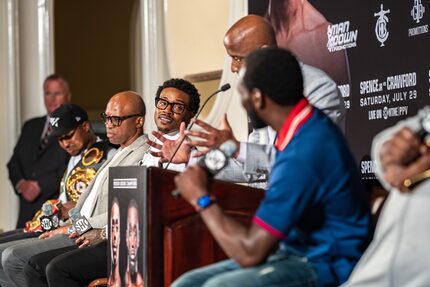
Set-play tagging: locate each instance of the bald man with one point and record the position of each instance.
(124, 119)
(254, 32)
(254, 159)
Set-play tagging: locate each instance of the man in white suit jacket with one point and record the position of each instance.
(398, 254)
(124, 119)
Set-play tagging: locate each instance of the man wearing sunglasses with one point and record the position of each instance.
(124, 119)
(69, 124)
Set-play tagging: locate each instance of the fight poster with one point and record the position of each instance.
(126, 250)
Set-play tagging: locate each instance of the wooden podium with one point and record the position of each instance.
(175, 239)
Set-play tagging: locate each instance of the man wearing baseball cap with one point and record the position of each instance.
(69, 124)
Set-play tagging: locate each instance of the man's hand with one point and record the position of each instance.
(90, 237)
(401, 149)
(402, 157)
(30, 189)
(168, 147)
(192, 183)
(49, 234)
(211, 137)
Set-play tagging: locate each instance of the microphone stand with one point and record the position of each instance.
(222, 89)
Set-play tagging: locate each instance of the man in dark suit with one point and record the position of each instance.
(38, 162)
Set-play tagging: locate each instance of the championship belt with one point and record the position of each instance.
(77, 180)
(84, 172)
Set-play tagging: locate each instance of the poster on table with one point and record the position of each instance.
(125, 238)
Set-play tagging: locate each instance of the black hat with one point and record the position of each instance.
(66, 118)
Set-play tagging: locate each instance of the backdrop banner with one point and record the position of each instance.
(376, 51)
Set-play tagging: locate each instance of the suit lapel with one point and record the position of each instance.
(117, 162)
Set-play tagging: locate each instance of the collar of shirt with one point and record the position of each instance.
(300, 113)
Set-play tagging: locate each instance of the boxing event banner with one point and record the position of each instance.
(376, 52)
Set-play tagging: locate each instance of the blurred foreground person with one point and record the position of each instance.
(315, 211)
(399, 253)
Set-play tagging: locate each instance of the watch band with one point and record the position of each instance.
(204, 202)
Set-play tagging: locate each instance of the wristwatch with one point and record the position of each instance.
(214, 161)
(204, 202)
(103, 234)
(71, 229)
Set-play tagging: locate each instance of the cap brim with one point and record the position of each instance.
(61, 132)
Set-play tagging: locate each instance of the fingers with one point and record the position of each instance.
(201, 144)
(79, 240)
(204, 125)
(198, 134)
(156, 153)
(403, 148)
(182, 128)
(74, 235)
(154, 144)
(200, 153)
(45, 235)
(83, 243)
(159, 136)
(417, 167)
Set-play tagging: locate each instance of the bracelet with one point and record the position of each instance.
(103, 234)
(204, 202)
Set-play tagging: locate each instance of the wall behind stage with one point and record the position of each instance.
(376, 51)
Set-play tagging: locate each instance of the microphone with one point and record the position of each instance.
(49, 220)
(223, 88)
(79, 222)
(215, 160)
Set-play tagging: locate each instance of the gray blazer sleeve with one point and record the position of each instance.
(322, 92)
(414, 123)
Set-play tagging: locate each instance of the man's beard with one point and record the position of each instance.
(256, 121)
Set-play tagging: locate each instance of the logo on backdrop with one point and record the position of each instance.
(417, 11)
(340, 37)
(417, 14)
(381, 30)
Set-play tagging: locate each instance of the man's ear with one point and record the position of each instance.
(257, 98)
(86, 126)
(140, 122)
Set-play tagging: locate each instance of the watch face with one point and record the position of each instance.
(215, 160)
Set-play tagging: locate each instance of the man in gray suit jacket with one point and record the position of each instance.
(124, 119)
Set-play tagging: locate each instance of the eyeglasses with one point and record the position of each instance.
(116, 121)
(177, 108)
(67, 136)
